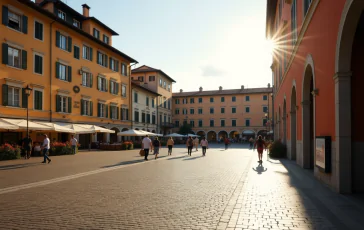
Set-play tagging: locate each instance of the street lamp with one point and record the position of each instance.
(28, 91)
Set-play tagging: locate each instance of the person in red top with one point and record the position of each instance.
(227, 142)
(260, 145)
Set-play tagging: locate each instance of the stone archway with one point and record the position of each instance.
(348, 112)
(234, 134)
(211, 136)
(222, 135)
(114, 136)
(293, 151)
(308, 105)
(284, 120)
(201, 133)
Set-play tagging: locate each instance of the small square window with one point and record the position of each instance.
(211, 99)
(265, 97)
(38, 64)
(247, 98)
(233, 99)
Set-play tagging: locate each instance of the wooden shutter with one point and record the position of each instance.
(98, 109)
(69, 44)
(58, 39)
(127, 114)
(121, 113)
(5, 53)
(106, 85)
(24, 59)
(58, 103)
(117, 66)
(5, 94)
(5, 15)
(110, 62)
(69, 73)
(40, 100)
(106, 111)
(82, 107)
(24, 98)
(98, 83)
(91, 80)
(110, 86)
(69, 105)
(117, 112)
(90, 54)
(76, 52)
(25, 24)
(57, 70)
(91, 108)
(106, 58)
(117, 88)
(98, 57)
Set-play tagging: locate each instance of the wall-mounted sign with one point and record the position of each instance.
(76, 104)
(323, 153)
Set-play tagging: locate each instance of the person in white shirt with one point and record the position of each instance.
(146, 145)
(73, 144)
(204, 144)
(195, 142)
(46, 146)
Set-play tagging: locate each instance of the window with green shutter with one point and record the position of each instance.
(38, 30)
(14, 20)
(76, 52)
(5, 94)
(38, 100)
(5, 53)
(38, 64)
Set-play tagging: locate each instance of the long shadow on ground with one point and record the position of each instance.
(18, 166)
(192, 158)
(176, 158)
(131, 162)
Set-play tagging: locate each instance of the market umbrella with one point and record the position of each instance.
(56, 127)
(96, 128)
(175, 135)
(131, 133)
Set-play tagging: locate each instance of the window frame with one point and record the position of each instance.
(100, 86)
(233, 98)
(65, 74)
(19, 57)
(87, 111)
(63, 97)
(124, 70)
(213, 111)
(211, 100)
(103, 60)
(60, 12)
(232, 109)
(20, 20)
(34, 104)
(96, 32)
(34, 64)
(247, 98)
(41, 23)
(86, 50)
(13, 88)
(113, 112)
(78, 24)
(222, 123)
(232, 123)
(107, 38)
(123, 86)
(61, 44)
(247, 122)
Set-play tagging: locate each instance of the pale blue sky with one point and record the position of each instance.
(208, 43)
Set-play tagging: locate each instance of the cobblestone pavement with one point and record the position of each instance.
(224, 190)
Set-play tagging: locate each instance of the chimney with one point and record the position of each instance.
(242, 87)
(180, 90)
(268, 85)
(86, 10)
(220, 88)
(200, 89)
(38, 1)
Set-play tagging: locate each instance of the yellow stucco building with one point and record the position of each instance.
(67, 58)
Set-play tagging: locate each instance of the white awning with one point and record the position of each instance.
(56, 127)
(76, 128)
(5, 125)
(22, 124)
(248, 132)
(174, 135)
(95, 128)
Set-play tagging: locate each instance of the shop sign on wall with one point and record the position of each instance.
(323, 153)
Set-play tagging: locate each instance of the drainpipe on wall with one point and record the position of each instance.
(50, 72)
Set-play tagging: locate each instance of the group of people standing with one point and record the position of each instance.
(148, 144)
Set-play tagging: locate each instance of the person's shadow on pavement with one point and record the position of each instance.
(260, 169)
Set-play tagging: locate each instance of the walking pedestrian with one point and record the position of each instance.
(260, 144)
(156, 145)
(170, 144)
(27, 145)
(251, 142)
(189, 144)
(205, 145)
(227, 142)
(46, 146)
(196, 142)
(146, 145)
(73, 144)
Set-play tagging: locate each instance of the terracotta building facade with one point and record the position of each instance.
(68, 60)
(216, 114)
(317, 71)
